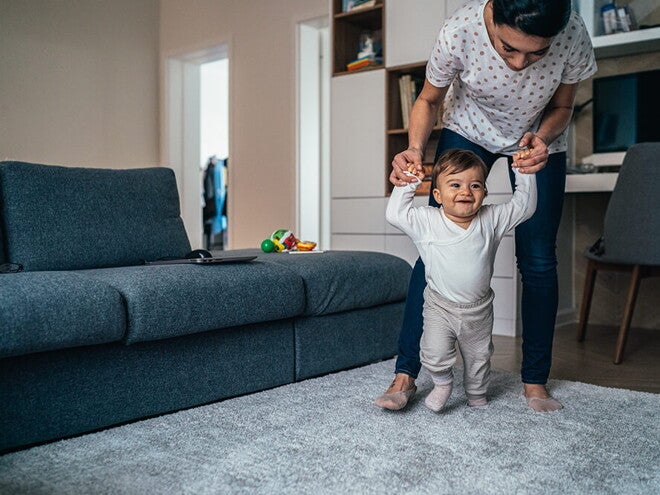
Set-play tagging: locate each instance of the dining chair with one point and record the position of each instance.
(631, 234)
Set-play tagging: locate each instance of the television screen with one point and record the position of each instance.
(626, 110)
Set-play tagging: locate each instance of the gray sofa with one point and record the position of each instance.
(91, 337)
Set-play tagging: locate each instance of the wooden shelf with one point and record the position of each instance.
(394, 132)
(361, 15)
(346, 30)
(365, 69)
(621, 44)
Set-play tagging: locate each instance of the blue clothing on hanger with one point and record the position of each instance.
(219, 173)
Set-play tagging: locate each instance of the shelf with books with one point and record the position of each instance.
(403, 83)
(348, 29)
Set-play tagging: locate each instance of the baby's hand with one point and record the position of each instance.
(413, 172)
(522, 154)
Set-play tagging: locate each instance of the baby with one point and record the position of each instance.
(457, 243)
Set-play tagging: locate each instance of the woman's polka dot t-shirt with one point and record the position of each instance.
(489, 103)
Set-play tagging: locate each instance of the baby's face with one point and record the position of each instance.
(461, 194)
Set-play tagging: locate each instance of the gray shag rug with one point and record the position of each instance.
(324, 435)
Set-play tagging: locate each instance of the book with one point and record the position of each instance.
(403, 97)
(406, 98)
(351, 5)
(409, 88)
(361, 63)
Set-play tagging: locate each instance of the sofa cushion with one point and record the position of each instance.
(338, 281)
(166, 301)
(60, 218)
(2, 242)
(55, 310)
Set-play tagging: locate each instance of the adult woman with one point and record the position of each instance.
(506, 73)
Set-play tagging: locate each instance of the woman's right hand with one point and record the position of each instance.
(402, 163)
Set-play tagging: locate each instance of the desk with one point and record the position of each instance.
(595, 182)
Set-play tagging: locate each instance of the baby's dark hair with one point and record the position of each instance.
(454, 161)
(544, 18)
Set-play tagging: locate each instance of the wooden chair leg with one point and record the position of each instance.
(633, 289)
(587, 294)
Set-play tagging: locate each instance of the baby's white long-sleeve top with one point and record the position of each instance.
(459, 262)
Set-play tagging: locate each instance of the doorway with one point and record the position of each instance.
(214, 151)
(197, 124)
(313, 131)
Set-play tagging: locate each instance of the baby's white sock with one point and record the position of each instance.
(477, 400)
(438, 397)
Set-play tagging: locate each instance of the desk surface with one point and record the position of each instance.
(603, 182)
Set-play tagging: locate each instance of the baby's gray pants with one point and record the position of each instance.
(447, 323)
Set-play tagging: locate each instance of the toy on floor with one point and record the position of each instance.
(283, 240)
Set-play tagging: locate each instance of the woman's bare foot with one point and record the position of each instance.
(398, 394)
(400, 383)
(539, 399)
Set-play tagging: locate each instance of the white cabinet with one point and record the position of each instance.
(411, 29)
(358, 216)
(358, 242)
(357, 139)
(498, 181)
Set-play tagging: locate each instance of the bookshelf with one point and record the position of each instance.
(407, 29)
(347, 28)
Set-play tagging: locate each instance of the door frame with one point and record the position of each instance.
(180, 129)
(321, 25)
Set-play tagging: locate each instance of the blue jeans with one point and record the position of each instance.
(536, 259)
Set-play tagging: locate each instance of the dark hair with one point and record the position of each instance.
(544, 18)
(454, 161)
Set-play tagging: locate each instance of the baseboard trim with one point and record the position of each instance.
(566, 317)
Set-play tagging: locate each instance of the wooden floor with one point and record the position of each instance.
(591, 361)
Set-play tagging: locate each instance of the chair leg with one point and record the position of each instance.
(633, 289)
(587, 294)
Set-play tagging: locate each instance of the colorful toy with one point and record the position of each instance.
(283, 240)
(279, 247)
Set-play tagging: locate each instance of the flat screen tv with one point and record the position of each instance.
(626, 110)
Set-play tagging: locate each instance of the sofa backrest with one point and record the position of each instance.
(62, 218)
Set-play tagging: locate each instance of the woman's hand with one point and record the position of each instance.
(535, 160)
(409, 161)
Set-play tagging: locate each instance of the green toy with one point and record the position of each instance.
(267, 246)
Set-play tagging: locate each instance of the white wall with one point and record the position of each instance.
(214, 131)
(79, 82)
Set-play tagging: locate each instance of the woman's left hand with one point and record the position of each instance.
(538, 155)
